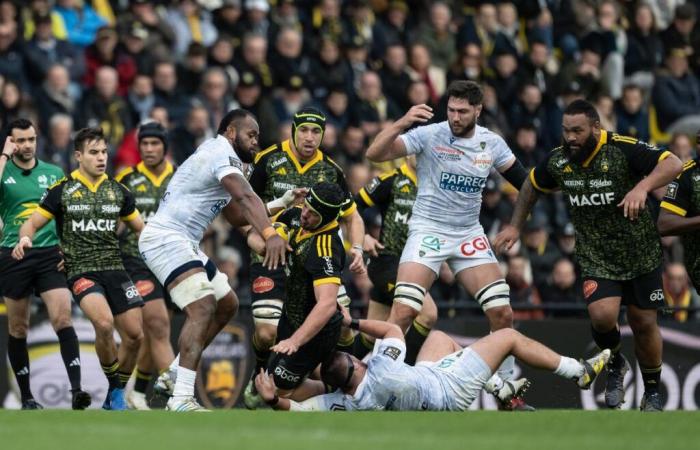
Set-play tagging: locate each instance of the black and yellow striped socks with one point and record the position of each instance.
(415, 337)
(111, 371)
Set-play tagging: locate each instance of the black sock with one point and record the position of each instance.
(19, 360)
(361, 346)
(70, 352)
(609, 339)
(112, 373)
(261, 356)
(124, 377)
(415, 337)
(652, 378)
(142, 380)
(346, 345)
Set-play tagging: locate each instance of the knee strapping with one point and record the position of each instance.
(267, 311)
(191, 289)
(494, 295)
(410, 294)
(220, 285)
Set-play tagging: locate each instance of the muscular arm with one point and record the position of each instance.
(387, 145)
(523, 205)
(664, 172)
(27, 232)
(251, 207)
(671, 224)
(326, 306)
(136, 224)
(356, 228)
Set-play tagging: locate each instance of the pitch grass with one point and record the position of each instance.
(245, 430)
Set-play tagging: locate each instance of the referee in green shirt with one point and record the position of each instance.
(23, 181)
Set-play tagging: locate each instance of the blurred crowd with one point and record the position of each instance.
(67, 64)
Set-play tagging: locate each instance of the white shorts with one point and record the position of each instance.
(461, 248)
(463, 374)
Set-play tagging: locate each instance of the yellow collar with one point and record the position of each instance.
(603, 140)
(156, 180)
(287, 148)
(409, 173)
(92, 187)
(303, 234)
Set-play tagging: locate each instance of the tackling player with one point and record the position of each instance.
(454, 159)
(606, 178)
(201, 187)
(23, 180)
(87, 207)
(147, 181)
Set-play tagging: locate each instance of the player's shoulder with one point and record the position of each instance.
(620, 140)
(60, 183)
(331, 162)
(691, 170)
(123, 174)
(263, 155)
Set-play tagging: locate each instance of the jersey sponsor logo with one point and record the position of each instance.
(483, 160)
(72, 189)
(479, 244)
(672, 190)
(145, 287)
(401, 217)
(560, 163)
(403, 183)
(657, 296)
(696, 177)
(597, 199)
(287, 375)
(137, 180)
(404, 202)
(43, 181)
(141, 188)
(218, 206)
(283, 186)
(589, 287)
(461, 183)
(10, 180)
(328, 270)
(372, 185)
(130, 291)
(597, 184)
(277, 162)
(392, 352)
(110, 209)
(82, 285)
(110, 195)
(145, 201)
(574, 183)
(263, 284)
(448, 153)
(235, 162)
(94, 225)
(432, 243)
(78, 208)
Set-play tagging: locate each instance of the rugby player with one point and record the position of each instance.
(147, 181)
(605, 178)
(446, 377)
(310, 324)
(87, 207)
(23, 180)
(454, 159)
(393, 194)
(201, 187)
(292, 164)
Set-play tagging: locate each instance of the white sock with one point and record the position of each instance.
(495, 383)
(507, 368)
(174, 365)
(184, 386)
(569, 368)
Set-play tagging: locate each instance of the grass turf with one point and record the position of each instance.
(240, 429)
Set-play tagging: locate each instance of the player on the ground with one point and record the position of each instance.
(169, 244)
(393, 194)
(310, 324)
(606, 178)
(446, 377)
(87, 207)
(454, 159)
(680, 215)
(295, 163)
(23, 180)
(147, 181)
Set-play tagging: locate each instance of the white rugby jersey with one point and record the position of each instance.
(452, 172)
(195, 195)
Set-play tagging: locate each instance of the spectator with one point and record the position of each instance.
(614, 39)
(186, 137)
(392, 28)
(504, 81)
(287, 57)
(632, 114)
(292, 98)
(563, 291)
(359, 175)
(395, 77)
(12, 105)
(256, 20)
(522, 292)
(438, 36)
(249, 96)
(12, 62)
(335, 107)
(352, 146)
(58, 148)
(228, 21)
(358, 22)
(606, 109)
(371, 108)
(254, 59)
(356, 53)
(38, 8)
(480, 29)
(221, 56)
(192, 68)
(144, 14)
(190, 23)
(104, 52)
(419, 94)
(141, 98)
(530, 109)
(214, 95)
(135, 40)
(535, 68)
(422, 69)
(494, 209)
(326, 22)
(285, 15)
(676, 95)
(679, 33)
(566, 241)
(540, 250)
(510, 36)
(329, 71)
(81, 21)
(678, 292)
(644, 48)
(681, 146)
(492, 115)
(469, 65)
(525, 145)
(55, 97)
(166, 92)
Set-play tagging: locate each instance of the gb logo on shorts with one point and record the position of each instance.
(470, 248)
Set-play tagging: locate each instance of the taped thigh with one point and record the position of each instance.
(494, 295)
(409, 294)
(267, 311)
(191, 289)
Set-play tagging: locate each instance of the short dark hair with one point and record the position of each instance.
(233, 116)
(467, 90)
(86, 135)
(20, 124)
(582, 107)
(337, 369)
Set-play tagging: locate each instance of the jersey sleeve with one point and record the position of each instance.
(128, 211)
(349, 206)
(641, 156)
(325, 259)
(541, 178)
(502, 154)
(678, 195)
(377, 192)
(50, 203)
(417, 139)
(390, 349)
(227, 164)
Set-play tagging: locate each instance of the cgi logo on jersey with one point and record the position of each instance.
(461, 183)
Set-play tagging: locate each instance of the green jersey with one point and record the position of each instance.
(608, 245)
(683, 198)
(147, 189)
(19, 197)
(393, 193)
(86, 219)
(317, 257)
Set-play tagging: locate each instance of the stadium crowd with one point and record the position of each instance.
(68, 64)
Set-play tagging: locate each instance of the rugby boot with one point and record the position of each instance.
(137, 400)
(80, 399)
(165, 384)
(615, 384)
(510, 395)
(651, 402)
(184, 404)
(592, 368)
(251, 398)
(115, 401)
(30, 403)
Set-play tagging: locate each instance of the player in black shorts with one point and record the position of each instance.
(23, 180)
(148, 181)
(310, 325)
